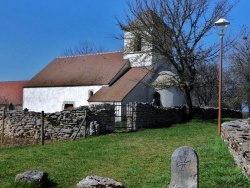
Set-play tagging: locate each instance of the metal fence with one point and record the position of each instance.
(123, 112)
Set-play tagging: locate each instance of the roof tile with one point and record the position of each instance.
(12, 92)
(120, 89)
(83, 70)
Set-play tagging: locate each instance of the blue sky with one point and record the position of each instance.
(34, 32)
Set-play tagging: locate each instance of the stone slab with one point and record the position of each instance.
(98, 182)
(184, 168)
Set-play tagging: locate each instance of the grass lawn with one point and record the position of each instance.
(139, 159)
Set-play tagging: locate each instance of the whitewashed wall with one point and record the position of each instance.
(52, 99)
(172, 97)
(139, 58)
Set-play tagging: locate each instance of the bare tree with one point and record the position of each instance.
(240, 68)
(178, 30)
(205, 92)
(232, 98)
(82, 48)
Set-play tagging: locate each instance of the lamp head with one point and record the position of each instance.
(222, 24)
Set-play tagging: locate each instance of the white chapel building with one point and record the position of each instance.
(83, 80)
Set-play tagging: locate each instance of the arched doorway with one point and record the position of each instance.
(156, 99)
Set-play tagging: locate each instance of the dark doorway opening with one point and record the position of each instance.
(68, 106)
(157, 99)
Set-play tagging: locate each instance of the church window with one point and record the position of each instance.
(68, 106)
(137, 43)
(91, 93)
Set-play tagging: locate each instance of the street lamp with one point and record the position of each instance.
(221, 24)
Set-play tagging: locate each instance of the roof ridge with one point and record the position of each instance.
(91, 54)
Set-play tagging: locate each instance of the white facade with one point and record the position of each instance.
(139, 59)
(52, 99)
(171, 97)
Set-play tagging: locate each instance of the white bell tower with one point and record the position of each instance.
(137, 49)
(139, 41)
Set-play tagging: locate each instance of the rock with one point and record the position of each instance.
(98, 182)
(29, 126)
(67, 131)
(19, 128)
(66, 136)
(20, 132)
(94, 128)
(39, 122)
(32, 176)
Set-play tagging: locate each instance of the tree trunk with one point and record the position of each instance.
(189, 103)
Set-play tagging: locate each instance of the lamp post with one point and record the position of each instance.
(221, 25)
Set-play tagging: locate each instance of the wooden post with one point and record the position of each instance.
(2, 137)
(133, 122)
(220, 88)
(85, 124)
(85, 129)
(42, 129)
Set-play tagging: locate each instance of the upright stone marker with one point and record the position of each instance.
(184, 168)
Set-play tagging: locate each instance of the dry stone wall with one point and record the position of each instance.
(212, 113)
(236, 135)
(147, 116)
(60, 125)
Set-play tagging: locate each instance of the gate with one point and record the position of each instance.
(123, 116)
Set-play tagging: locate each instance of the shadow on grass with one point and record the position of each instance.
(215, 121)
(49, 184)
(46, 184)
(122, 129)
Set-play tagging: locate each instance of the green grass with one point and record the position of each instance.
(138, 159)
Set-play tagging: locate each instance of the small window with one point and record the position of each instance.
(137, 43)
(68, 106)
(91, 93)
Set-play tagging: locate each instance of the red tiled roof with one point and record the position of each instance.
(121, 88)
(83, 70)
(12, 92)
